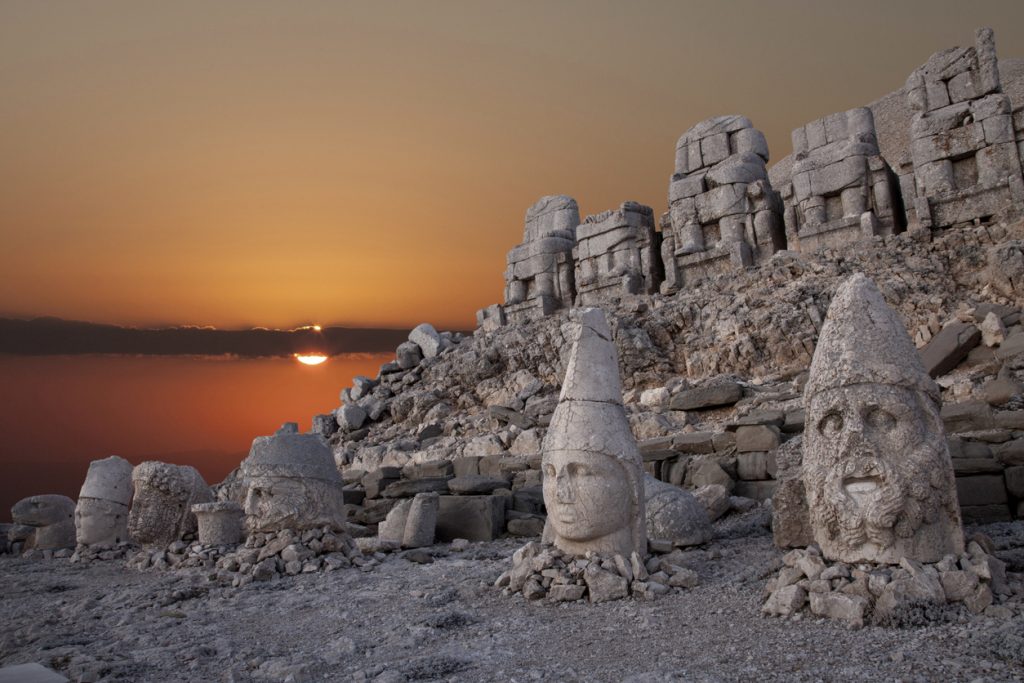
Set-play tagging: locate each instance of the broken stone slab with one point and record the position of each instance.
(476, 484)
(694, 442)
(1015, 481)
(429, 469)
(756, 466)
(526, 526)
(705, 472)
(849, 609)
(475, 518)
(751, 438)
(720, 393)
(392, 529)
(426, 337)
(407, 488)
(971, 416)
(506, 415)
(376, 481)
(950, 346)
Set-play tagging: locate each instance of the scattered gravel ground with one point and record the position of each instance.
(444, 621)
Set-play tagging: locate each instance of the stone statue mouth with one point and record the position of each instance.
(860, 488)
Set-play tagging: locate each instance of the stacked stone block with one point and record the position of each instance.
(539, 279)
(842, 187)
(617, 254)
(723, 212)
(966, 162)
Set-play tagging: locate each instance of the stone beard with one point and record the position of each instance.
(584, 493)
(876, 469)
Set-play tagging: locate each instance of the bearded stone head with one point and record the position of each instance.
(161, 511)
(876, 468)
(291, 483)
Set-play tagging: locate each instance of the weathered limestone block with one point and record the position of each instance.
(220, 523)
(674, 515)
(540, 276)
(161, 510)
(474, 518)
(101, 514)
(876, 466)
(292, 483)
(48, 521)
(593, 473)
(617, 254)
(843, 189)
(966, 163)
(950, 346)
(421, 524)
(723, 213)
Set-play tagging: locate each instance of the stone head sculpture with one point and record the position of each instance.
(876, 468)
(292, 483)
(101, 515)
(50, 518)
(161, 510)
(593, 478)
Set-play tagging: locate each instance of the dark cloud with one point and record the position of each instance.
(53, 336)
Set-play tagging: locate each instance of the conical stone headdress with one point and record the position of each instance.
(864, 341)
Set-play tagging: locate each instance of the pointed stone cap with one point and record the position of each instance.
(590, 415)
(294, 456)
(863, 341)
(592, 373)
(109, 479)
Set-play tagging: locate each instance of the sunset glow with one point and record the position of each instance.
(310, 359)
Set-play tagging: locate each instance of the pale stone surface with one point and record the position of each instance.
(723, 213)
(876, 466)
(393, 527)
(421, 523)
(617, 254)
(292, 483)
(220, 523)
(593, 482)
(30, 673)
(842, 189)
(101, 514)
(675, 515)
(161, 510)
(966, 165)
(540, 277)
(49, 520)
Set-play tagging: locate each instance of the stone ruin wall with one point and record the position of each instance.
(958, 163)
(480, 404)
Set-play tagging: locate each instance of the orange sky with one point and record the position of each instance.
(270, 163)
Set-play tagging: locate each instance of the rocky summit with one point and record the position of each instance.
(776, 432)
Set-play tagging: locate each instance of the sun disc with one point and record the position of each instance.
(310, 358)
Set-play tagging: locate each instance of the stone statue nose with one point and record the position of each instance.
(563, 488)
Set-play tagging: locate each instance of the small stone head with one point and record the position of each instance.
(291, 483)
(876, 467)
(100, 522)
(43, 510)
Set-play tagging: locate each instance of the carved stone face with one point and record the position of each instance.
(100, 522)
(587, 495)
(158, 517)
(275, 503)
(876, 471)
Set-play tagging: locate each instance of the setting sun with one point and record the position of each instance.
(310, 359)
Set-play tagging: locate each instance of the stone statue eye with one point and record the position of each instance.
(549, 471)
(831, 424)
(879, 419)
